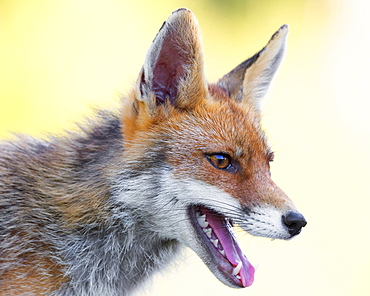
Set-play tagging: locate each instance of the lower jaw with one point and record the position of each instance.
(229, 273)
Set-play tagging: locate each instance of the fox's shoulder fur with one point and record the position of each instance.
(98, 211)
(60, 226)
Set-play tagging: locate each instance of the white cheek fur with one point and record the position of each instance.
(265, 221)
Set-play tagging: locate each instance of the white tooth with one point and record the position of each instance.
(222, 252)
(200, 217)
(214, 242)
(238, 277)
(208, 232)
(202, 221)
(237, 268)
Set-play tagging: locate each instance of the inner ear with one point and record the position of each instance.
(168, 71)
(173, 69)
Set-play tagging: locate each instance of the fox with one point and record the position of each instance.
(101, 209)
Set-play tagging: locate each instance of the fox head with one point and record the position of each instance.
(198, 151)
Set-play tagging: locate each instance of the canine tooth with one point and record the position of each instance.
(201, 217)
(214, 242)
(222, 252)
(237, 268)
(202, 221)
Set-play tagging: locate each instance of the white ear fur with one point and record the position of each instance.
(259, 75)
(250, 81)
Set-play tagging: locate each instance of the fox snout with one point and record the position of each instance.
(269, 212)
(294, 221)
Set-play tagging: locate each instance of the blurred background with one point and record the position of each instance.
(59, 58)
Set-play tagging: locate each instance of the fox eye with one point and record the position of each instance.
(221, 161)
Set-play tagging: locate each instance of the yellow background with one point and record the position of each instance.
(58, 58)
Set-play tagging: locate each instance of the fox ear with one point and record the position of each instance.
(173, 69)
(250, 81)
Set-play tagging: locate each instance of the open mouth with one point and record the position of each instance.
(217, 233)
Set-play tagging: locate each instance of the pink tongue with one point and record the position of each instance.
(223, 231)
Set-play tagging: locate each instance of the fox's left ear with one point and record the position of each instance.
(172, 75)
(250, 81)
(173, 69)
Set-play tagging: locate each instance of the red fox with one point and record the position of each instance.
(98, 211)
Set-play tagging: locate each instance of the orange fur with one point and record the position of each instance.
(227, 126)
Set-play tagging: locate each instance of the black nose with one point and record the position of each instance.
(294, 221)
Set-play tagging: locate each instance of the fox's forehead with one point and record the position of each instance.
(222, 125)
